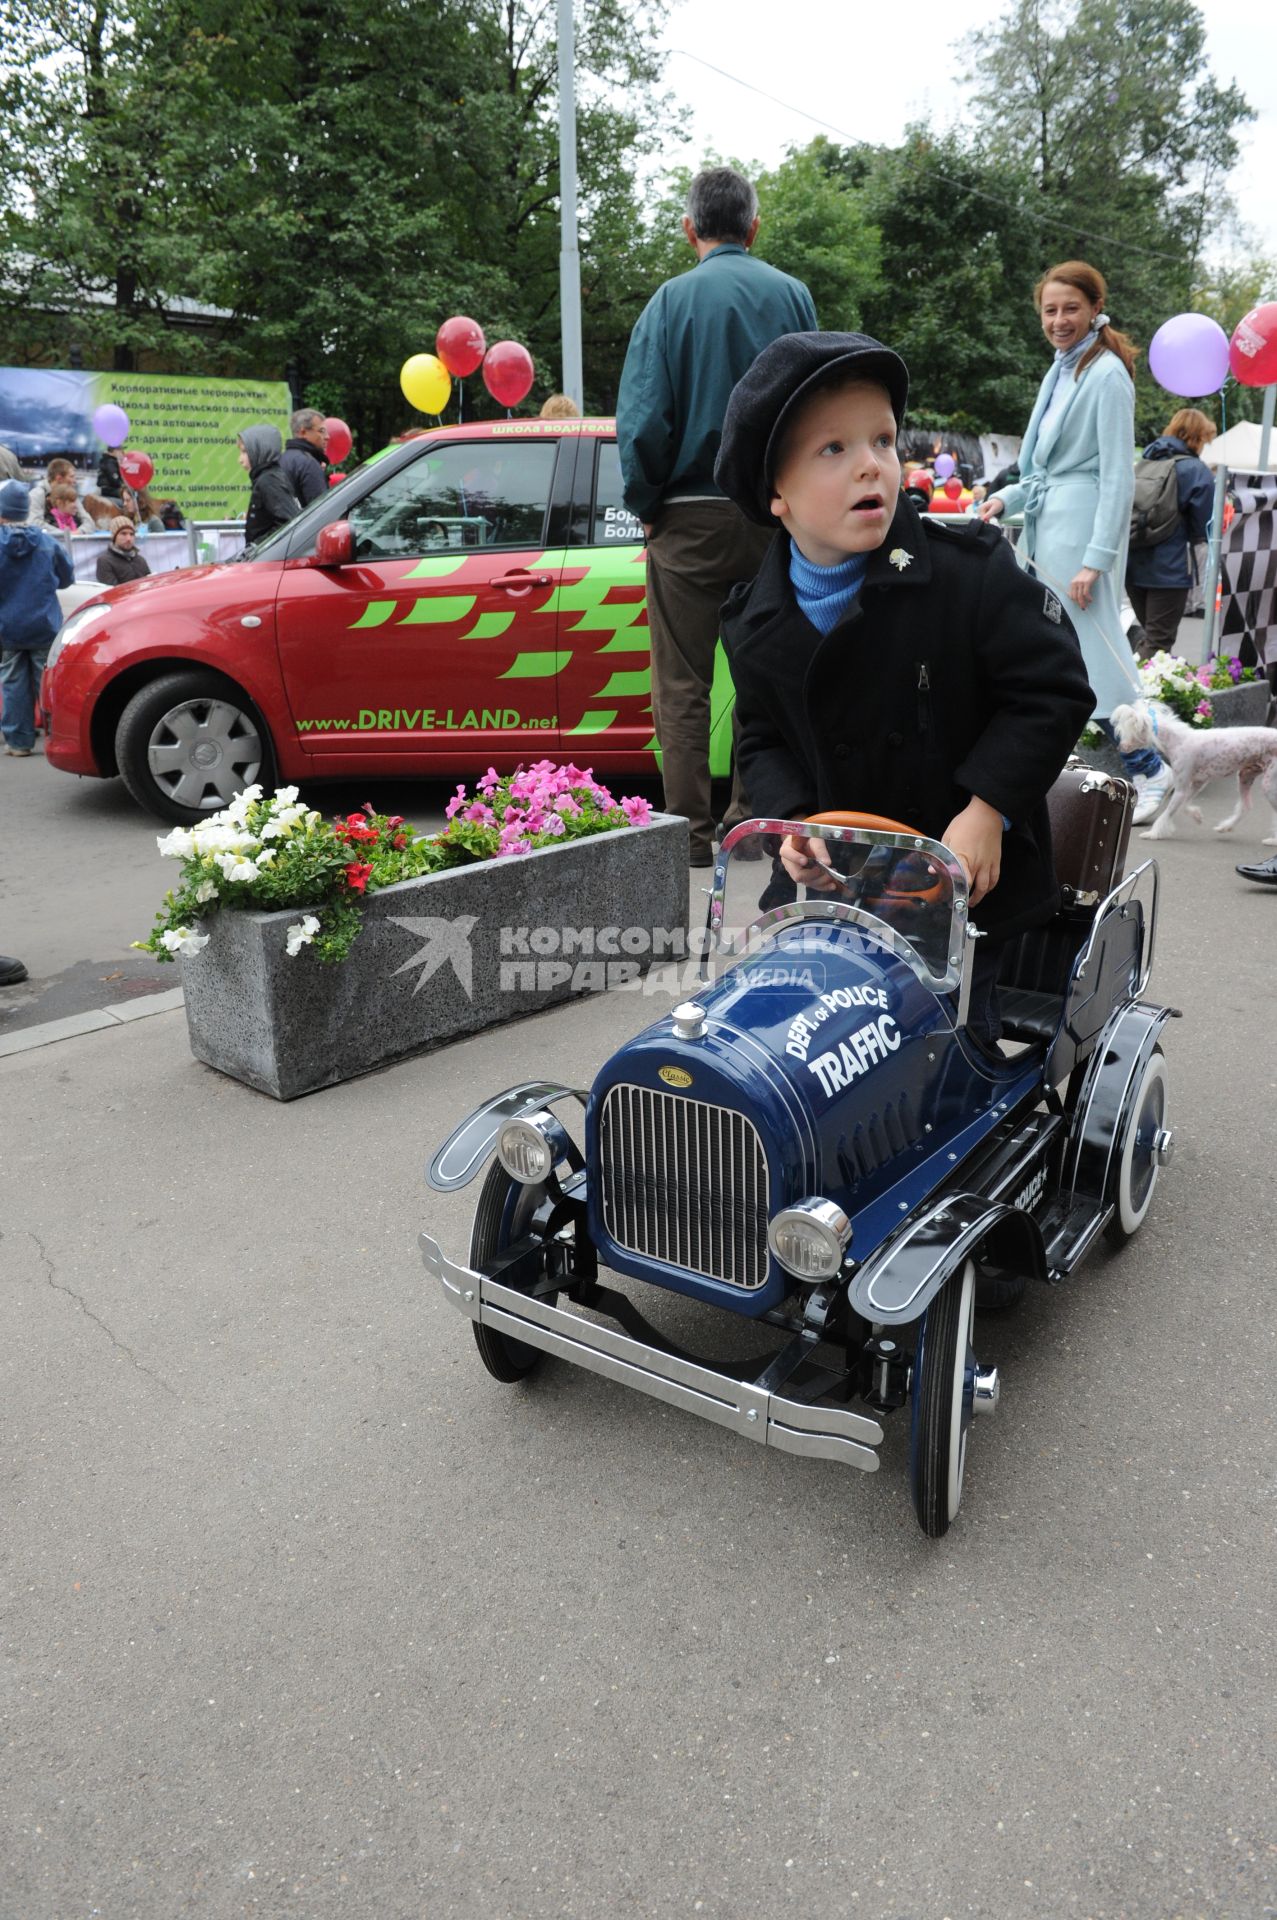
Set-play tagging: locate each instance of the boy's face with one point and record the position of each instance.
(838, 479)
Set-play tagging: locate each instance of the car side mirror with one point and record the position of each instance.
(335, 546)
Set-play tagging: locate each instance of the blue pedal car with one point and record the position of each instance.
(815, 1143)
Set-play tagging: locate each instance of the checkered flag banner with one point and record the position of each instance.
(1248, 566)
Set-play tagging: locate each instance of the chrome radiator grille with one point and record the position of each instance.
(684, 1183)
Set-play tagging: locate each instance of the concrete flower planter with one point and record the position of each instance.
(1242, 706)
(441, 956)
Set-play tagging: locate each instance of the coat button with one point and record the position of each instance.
(842, 751)
(895, 739)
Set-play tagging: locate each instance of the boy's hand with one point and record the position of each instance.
(975, 835)
(990, 509)
(796, 857)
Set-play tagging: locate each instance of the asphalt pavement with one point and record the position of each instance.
(304, 1615)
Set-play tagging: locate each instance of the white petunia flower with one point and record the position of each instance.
(285, 797)
(183, 940)
(264, 859)
(206, 890)
(235, 867)
(302, 933)
(176, 845)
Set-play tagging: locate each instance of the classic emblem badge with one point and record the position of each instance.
(900, 559)
(674, 1076)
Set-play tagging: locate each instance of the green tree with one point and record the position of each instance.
(954, 232)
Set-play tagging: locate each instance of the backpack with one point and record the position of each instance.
(1155, 512)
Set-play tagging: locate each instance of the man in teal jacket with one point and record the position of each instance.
(696, 337)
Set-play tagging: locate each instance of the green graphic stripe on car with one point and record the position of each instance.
(375, 614)
(489, 625)
(601, 618)
(639, 681)
(628, 640)
(593, 722)
(535, 666)
(430, 611)
(437, 568)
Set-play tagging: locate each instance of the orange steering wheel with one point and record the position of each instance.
(874, 821)
(879, 823)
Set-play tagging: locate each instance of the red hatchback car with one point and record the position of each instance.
(472, 598)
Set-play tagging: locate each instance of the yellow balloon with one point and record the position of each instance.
(426, 383)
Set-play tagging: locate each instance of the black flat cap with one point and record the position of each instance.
(763, 402)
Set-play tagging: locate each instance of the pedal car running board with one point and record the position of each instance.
(820, 1432)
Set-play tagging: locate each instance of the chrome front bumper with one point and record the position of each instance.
(820, 1432)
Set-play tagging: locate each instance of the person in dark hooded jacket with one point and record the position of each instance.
(121, 561)
(1158, 578)
(33, 566)
(273, 502)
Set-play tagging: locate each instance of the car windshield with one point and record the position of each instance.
(905, 890)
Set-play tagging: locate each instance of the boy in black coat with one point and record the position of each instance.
(885, 662)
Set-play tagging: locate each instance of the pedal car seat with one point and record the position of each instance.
(1090, 832)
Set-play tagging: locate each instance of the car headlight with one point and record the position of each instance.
(72, 629)
(529, 1147)
(809, 1240)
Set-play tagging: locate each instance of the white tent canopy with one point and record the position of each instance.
(1239, 449)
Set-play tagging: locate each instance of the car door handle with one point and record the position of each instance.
(521, 581)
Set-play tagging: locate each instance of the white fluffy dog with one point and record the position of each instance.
(1196, 757)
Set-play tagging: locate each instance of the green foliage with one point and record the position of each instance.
(814, 224)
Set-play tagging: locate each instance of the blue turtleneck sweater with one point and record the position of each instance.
(825, 593)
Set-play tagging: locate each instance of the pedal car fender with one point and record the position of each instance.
(1106, 1095)
(468, 1146)
(899, 1283)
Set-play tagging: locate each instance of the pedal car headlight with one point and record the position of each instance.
(809, 1240)
(528, 1147)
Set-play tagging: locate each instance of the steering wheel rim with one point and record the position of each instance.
(875, 822)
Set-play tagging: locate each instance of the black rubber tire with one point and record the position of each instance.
(145, 712)
(1136, 1175)
(997, 1290)
(939, 1437)
(506, 1360)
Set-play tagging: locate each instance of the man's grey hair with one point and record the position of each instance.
(722, 205)
(303, 420)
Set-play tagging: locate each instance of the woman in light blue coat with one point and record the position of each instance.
(1077, 479)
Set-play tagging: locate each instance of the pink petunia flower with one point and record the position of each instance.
(456, 803)
(637, 811)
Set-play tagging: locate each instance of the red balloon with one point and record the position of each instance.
(138, 469)
(508, 372)
(1252, 351)
(460, 344)
(338, 440)
(953, 486)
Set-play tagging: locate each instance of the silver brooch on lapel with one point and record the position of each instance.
(900, 559)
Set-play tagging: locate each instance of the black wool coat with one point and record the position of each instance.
(954, 673)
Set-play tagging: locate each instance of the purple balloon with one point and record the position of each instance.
(1189, 355)
(944, 466)
(111, 425)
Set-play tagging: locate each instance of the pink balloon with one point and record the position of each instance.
(338, 440)
(1252, 352)
(508, 372)
(1189, 355)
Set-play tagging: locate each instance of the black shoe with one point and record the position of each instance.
(700, 856)
(11, 971)
(1265, 871)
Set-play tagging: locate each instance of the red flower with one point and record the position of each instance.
(400, 840)
(357, 876)
(355, 827)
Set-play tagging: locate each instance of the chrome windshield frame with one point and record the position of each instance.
(814, 907)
